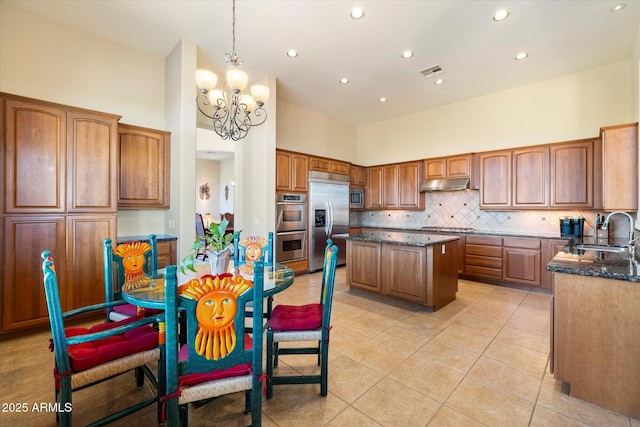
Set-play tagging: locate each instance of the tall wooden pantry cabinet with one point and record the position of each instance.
(59, 166)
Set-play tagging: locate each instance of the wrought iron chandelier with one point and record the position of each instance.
(229, 108)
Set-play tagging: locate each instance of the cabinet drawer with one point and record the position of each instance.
(474, 270)
(474, 260)
(164, 248)
(522, 243)
(490, 251)
(484, 240)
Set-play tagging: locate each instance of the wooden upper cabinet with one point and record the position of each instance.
(92, 142)
(328, 165)
(35, 157)
(435, 168)
(571, 174)
(373, 189)
(449, 167)
(460, 166)
(620, 167)
(292, 170)
(357, 175)
(531, 178)
(409, 181)
(495, 180)
(390, 186)
(144, 168)
(394, 186)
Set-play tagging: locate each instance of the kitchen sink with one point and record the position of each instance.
(603, 248)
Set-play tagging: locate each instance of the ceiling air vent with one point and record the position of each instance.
(431, 71)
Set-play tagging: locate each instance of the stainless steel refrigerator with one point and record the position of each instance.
(328, 215)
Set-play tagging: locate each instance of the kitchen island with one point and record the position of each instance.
(595, 330)
(421, 268)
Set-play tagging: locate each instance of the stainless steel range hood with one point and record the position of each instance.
(447, 184)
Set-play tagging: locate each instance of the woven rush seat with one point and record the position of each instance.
(310, 323)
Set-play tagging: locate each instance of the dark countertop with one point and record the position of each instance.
(145, 237)
(398, 238)
(607, 265)
(471, 231)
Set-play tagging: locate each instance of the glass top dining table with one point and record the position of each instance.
(150, 293)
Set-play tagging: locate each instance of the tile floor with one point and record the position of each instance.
(480, 361)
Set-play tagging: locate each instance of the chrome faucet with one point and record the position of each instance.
(605, 224)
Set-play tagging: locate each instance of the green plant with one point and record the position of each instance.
(214, 240)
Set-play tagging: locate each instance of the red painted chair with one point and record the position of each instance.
(88, 356)
(305, 323)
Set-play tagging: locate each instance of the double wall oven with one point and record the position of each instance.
(291, 227)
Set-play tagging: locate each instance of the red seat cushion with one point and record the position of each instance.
(296, 317)
(87, 355)
(131, 310)
(200, 377)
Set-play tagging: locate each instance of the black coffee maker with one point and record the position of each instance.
(571, 226)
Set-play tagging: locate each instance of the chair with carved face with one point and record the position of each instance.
(219, 357)
(245, 252)
(308, 323)
(87, 356)
(130, 264)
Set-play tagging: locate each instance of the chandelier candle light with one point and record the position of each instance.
(231, 112)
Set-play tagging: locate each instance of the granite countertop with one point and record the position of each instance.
(398, 238)
(607, 265)
(144, 237)
(472, 231)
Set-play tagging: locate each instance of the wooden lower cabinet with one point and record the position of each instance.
(550, 248)
(595, 340)
(521, 261)
(483, 257)
(23, 300)
(167, 253)
(363, 265)
(424, 275)
(75, 242)
(85, 264)
(404, 272)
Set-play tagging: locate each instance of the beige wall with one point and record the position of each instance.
(45, 60)
(208, 171)
(307, 131)
(569, 107)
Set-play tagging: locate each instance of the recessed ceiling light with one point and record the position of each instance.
(618, 7)
(344, 80)
(521, 55)
(407, 54)
(357, 13)
(438, 82)
(501, 15)
(382, 99)
(291, 53)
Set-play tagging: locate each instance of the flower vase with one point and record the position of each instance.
(219, 260)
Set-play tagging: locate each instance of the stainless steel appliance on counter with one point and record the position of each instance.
(328, 215)
(291, 227)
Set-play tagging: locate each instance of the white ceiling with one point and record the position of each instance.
(476, 53)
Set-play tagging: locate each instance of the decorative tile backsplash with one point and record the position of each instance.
(462, 209)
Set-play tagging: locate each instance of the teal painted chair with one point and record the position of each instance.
(252, 248)
(245, 252)
(219, 356)
(131, 263)
(88, 356)
(306, 323)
